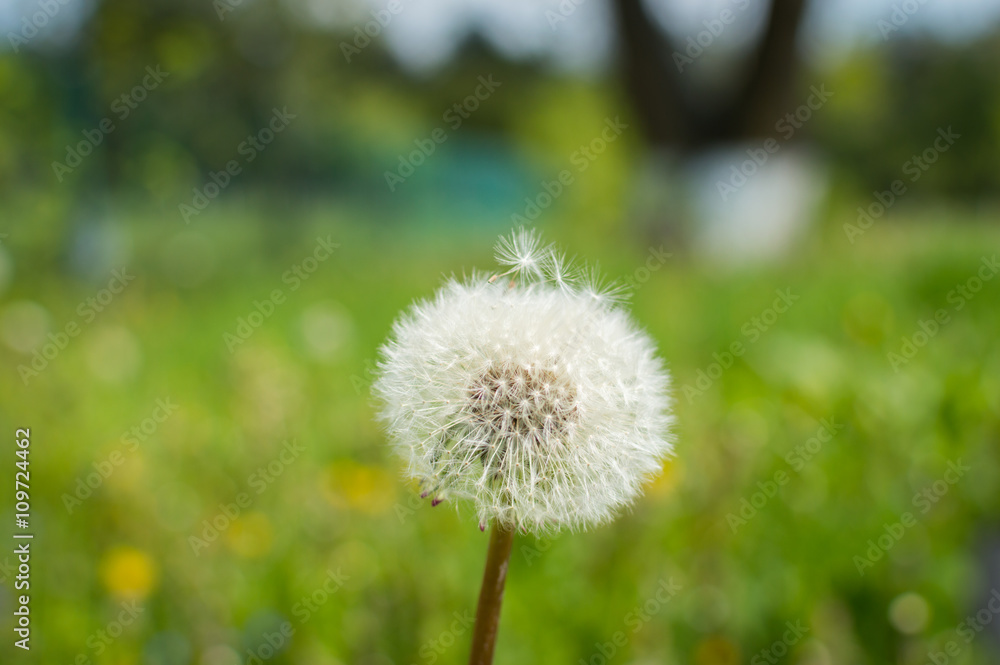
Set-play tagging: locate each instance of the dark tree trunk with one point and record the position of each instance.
(673, 116)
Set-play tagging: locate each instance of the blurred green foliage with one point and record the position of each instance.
(304, 373)
(891, 102)
(356, 117)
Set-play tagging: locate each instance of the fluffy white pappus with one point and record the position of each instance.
(537, 397)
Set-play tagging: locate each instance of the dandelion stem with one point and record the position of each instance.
(484, 635)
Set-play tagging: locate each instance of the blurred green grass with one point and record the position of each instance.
(304, 373)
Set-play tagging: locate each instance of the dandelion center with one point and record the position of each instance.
(521, 409)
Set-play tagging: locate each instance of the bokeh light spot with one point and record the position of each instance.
(129, 572)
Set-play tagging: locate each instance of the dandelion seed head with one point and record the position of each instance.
(538, 399)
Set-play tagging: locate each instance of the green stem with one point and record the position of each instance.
(484, 634)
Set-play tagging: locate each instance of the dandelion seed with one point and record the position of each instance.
(522, 252)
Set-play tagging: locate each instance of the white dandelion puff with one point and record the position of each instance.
(538, 399)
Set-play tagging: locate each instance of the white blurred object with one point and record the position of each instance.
(24, 325)
(709, 205)
(747, 210)
(113, 354)
(328, 330)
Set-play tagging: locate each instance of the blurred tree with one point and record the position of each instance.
(652, 67)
